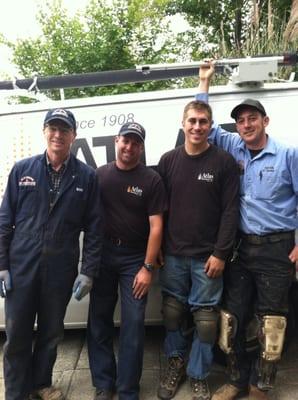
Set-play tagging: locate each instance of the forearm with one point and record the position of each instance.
(204, 85)
(6, 234)
(154, 242)
(230, 212)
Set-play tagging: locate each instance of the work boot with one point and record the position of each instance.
(173, 376)
(227, 392)
(257, 394)
(48, 393)
(199, 389)
(103, 394)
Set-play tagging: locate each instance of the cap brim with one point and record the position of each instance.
(237, 109)
(132, 133)
(60, 119)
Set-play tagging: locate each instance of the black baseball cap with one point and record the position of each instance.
(133, 128)
(61, 114)
(248, 103)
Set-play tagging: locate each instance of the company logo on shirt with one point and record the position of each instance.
(27, 181)
(268, 168)
(205, 176)
(135, 190)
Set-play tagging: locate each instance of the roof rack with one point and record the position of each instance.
(264, 66)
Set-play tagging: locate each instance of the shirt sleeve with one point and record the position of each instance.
(157, 200)
(7, 217)
(293, 168)
(219, 136)
(230, 210)
(93, 230)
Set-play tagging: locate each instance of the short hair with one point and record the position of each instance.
(199, 106)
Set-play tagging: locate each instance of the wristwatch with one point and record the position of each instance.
(149, 267)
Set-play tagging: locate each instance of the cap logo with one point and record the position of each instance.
(60, 112)
(135, 126)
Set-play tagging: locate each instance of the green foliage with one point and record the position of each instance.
(119, 34)
(231, 26)
(103, 37)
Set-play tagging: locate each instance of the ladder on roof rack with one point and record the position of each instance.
(148, 72)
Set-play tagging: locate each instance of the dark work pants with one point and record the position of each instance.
(27, 365)
(258, 281)
(119, 267)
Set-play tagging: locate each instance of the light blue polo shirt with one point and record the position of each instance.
(268, 182)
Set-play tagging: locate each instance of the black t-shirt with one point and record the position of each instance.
(203, 202)
(129, 197)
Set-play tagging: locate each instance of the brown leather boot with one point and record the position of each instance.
(257, 394)
(226, 392)
(48, 393)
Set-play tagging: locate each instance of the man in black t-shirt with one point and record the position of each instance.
(202, 183)
(134, 200)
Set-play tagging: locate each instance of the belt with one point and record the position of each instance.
(268, 238)
(125, 243)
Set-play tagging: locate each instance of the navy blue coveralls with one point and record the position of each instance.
(40, 248)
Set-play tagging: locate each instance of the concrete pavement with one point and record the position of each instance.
(73, 377)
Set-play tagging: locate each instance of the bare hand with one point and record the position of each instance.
(293, 256)
(214, 267)
(207, 70)
(141, 283)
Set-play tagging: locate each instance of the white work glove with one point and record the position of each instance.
(5, 282)
(82, 286)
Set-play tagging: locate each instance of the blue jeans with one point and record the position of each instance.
(119, 267)
(184, 278)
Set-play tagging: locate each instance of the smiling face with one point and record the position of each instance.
(251, 125)
(196, 125)
(129, 149)
(59, 137)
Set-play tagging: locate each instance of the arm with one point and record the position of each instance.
(92, 243)
(7, 218)
(218, 136)
(93, 230)
(206, 73)
(143, 278)
(228, 221)
(293, 167)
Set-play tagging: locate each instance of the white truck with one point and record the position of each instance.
(99, 120)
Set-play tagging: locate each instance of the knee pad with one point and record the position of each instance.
(272, 336)
(206, 322)
(173, 312)
(227, 332)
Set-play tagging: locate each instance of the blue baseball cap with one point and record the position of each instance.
(62, 115)
(134, 128)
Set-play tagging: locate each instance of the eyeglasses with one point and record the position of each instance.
(55, 128)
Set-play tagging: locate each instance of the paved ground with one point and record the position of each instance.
(73, 377)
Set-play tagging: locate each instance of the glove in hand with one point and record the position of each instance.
(5, 282)
(82, 286)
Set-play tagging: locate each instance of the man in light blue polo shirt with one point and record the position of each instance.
(260, 274)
